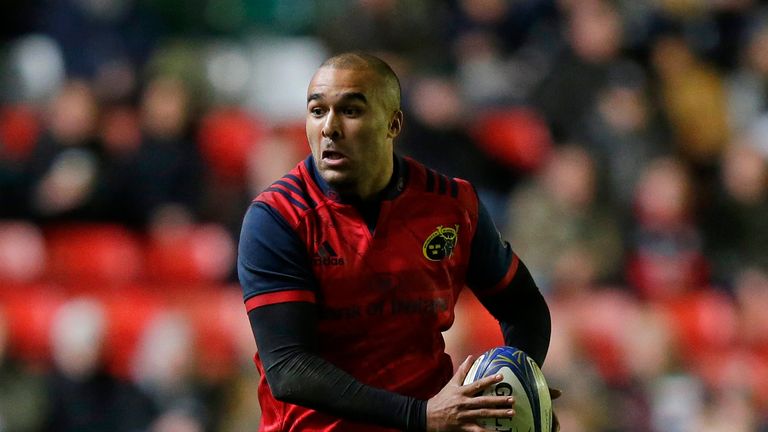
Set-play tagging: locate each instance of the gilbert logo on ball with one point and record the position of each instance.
(522, 379)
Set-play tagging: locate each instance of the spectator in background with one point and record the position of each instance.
(594, 34)
(19, 129)
(22, 391)
(168, 171)
(228, 138)
(666, 255)
(735, 226)
(622, 134)
(178, 420)
(65, 169)
(732, 376)
(693, 101)
(120, 135)
(561, 228)
(509, 23)
(482, 70)
(747, 85)
(499, 48)
(751, 295)
(164, 368)
(104, 41)
(83, 396)
(398, 30)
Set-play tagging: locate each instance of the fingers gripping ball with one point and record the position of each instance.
(522, 379)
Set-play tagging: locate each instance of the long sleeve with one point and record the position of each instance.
(505, 287)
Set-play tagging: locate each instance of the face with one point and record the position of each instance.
(351, 125)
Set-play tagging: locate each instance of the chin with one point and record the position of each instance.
(341, 182)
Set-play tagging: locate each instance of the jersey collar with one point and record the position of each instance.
(394, 188)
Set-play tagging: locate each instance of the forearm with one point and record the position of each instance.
(297, 375)
(523, 315)
(530, 331)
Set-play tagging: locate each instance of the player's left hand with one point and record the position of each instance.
(554, 394)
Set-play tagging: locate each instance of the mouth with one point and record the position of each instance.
(332, 155)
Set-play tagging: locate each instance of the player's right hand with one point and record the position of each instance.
(456, 408)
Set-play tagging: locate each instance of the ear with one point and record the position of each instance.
(395, 124)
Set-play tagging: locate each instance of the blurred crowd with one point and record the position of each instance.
(620, 145)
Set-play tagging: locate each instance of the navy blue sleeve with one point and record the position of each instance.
(491, 256)
(522, 311)
(271, 257)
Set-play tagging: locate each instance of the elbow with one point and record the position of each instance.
(284, 388)
(288, 374)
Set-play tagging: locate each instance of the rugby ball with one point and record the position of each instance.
(522, 379)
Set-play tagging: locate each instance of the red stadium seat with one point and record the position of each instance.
(227, 137)
(735, 369)
(30, 313)
(128, 314)
(603, 321)
(518, 137)
(19, 130)
(659, 277)
(94, 254)
(704, 322)
(215, 314)
(202, 253)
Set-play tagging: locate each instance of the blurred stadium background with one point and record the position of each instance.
(621, 146)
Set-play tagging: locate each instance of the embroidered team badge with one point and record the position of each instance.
(440, 244)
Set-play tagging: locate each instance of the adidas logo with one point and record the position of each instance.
(325, 255)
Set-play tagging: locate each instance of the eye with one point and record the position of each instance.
(316, 111)
(351, 111)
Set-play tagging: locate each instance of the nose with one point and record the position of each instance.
(331, 127)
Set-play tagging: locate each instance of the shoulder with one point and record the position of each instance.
(290, 197)
(271, 256)
(432, 183)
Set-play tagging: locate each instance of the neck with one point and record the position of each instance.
(379, 182)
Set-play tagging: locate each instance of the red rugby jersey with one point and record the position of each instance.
(385, 295)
